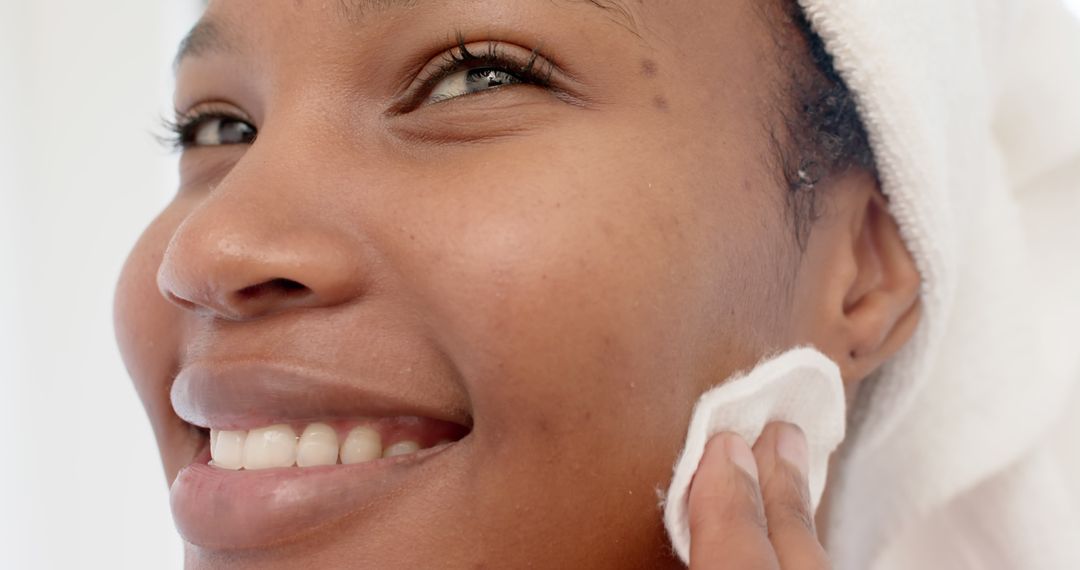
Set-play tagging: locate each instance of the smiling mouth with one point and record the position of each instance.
(287, 450)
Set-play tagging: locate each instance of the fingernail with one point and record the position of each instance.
(740, 454)
(791, 447)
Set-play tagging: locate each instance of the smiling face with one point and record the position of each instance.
(536, 230)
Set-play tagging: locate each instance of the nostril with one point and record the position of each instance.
(273, 287)
(179, 301)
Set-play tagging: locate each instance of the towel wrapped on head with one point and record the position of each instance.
(973, 112)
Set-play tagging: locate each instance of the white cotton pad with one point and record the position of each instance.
(801, 386)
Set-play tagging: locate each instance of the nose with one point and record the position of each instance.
(239, 261)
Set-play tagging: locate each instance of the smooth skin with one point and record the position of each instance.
(571, 265)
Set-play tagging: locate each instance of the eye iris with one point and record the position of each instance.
(218, 131)
(486, 78)
(235, 132)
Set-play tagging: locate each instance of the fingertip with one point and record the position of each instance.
(791, 446)
(730, 447)
(741, 455)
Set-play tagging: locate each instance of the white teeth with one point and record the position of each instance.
(228, 448)
(362, 444)
(278, 446)
(318, 446)
(401, 448)
(268, 447)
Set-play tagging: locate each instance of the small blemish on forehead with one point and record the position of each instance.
(648, 68)
(660, 102)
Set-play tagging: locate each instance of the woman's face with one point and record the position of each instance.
(546, 273)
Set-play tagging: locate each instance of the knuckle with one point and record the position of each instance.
(790, 502)
(753, 510)
(795, 514)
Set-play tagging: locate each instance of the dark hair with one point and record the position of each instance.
(821, 132)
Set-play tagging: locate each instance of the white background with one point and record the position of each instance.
(82, 85)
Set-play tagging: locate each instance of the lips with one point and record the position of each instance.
(247, 395)
(295, 449)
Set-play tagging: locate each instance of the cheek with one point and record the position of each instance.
(587, 300)
(592, 297)
(148, 331)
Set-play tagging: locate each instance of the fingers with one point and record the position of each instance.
(782, 460)
(751, 510)
(728, 530)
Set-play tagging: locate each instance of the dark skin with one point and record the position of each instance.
(572, 264)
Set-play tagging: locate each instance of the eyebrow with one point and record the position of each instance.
(208, 36)
(205, 37)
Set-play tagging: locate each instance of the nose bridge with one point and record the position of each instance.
(262, 241)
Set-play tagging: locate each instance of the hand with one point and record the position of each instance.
(737, 523)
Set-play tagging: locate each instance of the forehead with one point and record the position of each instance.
(210, 34)
(357, 9)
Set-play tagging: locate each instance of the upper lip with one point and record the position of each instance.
(248, 394)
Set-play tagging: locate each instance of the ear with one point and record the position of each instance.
(857, 293)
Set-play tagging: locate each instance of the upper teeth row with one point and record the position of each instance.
(278, 446)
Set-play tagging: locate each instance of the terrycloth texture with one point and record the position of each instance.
(967, 532)
(973, 110)
(801, 386)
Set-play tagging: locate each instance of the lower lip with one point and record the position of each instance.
(220, 509)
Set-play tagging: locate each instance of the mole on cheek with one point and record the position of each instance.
(648, 68)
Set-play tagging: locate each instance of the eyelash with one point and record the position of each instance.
(181, 132)
(536, 71)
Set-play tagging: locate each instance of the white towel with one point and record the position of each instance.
(801, 386)
(973, 110)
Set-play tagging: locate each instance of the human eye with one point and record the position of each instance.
(470, 81)
(469, 70)
(210, 127)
